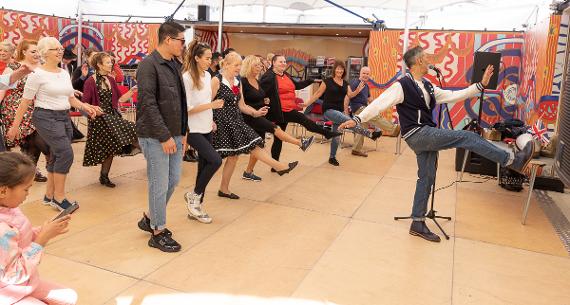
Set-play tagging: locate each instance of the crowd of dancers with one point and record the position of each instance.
(222, 105)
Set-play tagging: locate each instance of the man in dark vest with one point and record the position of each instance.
(415, 98)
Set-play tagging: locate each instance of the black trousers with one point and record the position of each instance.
(208, 159)
(299, 118)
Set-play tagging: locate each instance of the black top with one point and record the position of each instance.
(269, 84)
(253, 97)
(161, 110)
(334, 95)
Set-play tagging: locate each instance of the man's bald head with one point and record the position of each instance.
(364, 73)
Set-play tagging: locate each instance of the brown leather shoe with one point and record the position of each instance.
(359, 153)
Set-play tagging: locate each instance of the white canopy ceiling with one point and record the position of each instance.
(427, 14)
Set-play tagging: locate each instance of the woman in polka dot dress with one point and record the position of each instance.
(233, 136)
(108, 134)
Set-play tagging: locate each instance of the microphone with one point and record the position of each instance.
(437, 71)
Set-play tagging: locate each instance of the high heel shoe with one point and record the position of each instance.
(104, 180)
(292, 165)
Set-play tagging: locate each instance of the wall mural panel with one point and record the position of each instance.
(453, 54)
(130, 41)
(542, 71)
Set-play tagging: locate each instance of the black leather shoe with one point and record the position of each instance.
(419, 228)
(292, 165)
(231, 196)
(331, 134)
(375, 135)
(104, 180)
(333, 161)
(39, 177)
(522, 158)
(164, 242)
(144, 224)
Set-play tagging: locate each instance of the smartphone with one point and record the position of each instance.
(68, 211)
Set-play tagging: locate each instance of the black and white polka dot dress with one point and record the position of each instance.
(234, 136)
(109, 133)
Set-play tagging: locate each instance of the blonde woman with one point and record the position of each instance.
(254, 96)
(234, 137)
(49, 89)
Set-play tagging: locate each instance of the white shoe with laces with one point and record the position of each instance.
(195, 208)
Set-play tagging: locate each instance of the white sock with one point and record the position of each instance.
(511, 158)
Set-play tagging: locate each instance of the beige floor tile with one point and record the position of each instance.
(143, 293)
(377, 163)
(377, 264)
(394, 197)
(126, 249)
(328, 190)
(97, 204)
(266, 252)
(490, 274)
(271, 184)
(496, 218)
(93, 285)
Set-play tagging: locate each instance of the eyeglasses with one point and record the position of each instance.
(57, 49)
(180, 39)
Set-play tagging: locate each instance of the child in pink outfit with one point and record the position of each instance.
(21, 246)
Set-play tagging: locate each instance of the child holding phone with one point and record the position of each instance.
(22, 246)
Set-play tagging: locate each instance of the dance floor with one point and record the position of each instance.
(320, 235)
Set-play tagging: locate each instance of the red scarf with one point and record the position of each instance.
(235, 90)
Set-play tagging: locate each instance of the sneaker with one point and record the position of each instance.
(375, 135)
(47, 201)
(333, 161)
(39, 177)
(419, 228)
(144, 224)
(164, 242)
(251, 176)
(64, 204)
(195, 209)
(306, 142)
(522, 158)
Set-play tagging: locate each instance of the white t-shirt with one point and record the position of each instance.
(200, 122)
(51, 90)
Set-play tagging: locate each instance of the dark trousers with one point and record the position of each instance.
(55, 128)
(299, 118)
(208, 159)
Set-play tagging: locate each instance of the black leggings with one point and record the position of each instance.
(296, 117)
(208, 159)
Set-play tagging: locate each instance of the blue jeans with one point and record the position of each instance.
(163, 172)
(426, 143)
(338, 118)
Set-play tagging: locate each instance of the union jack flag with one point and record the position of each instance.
(539, 131)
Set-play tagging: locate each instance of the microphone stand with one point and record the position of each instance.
(431, 214)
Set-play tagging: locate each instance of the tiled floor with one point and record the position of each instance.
(320, 235)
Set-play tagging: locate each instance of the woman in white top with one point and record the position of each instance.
(49, 89)
(200, 123)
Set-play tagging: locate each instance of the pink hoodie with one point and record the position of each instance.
(19, 256)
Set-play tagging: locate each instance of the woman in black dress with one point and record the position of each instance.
(336, 94)
(109, 134)
(233, 136)
(254, 96)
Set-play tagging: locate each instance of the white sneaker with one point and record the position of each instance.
(195, 210)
